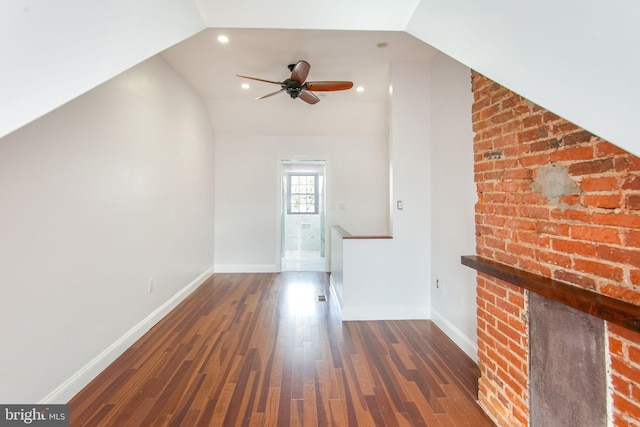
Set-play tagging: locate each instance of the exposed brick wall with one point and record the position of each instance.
(554, 200)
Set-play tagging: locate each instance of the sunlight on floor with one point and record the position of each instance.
(303, 261)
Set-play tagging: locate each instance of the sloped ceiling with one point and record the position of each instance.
(358, 56)
(578, 59)
(211, 66)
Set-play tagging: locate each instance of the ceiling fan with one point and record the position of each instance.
(296, 86)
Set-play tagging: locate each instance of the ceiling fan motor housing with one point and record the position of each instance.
(293, 87)
(297, 86)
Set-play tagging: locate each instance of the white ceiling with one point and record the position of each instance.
(308, 14)
(211, 67)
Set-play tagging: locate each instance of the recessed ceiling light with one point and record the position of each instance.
(223, 39)
(360, 89)
(245, 86)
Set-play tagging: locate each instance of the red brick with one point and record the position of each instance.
(534, 267)
(518, 224)
(576, 279)
(579, 153)
(534, 160)
(621, 292)
(534, 212)
(599, 269)
(631, 183)
(545, 145)
(505, 258)
(634, 355)
(603, 183)
(518, 173)
(504, 141)
(565, 127)
(626, 371)
(580, 136)
(633, 163)
(616, 347)
(553, 228)
(509, 332)
(592, 167)
(619, 255)
(479, 105)
(548, 116)
(533, 238)
(604, 201)
(532, 121)
(495, 289)
(635, 277)
(502, 117)
(595, 234)
(624, 333)
(595, 242)
(572, 215)
(521, 250)
(615, 219)
(528, 135)
(515, 151)
(632, 238)
(605, 149)
(489, 111)
(633, 202)
(626, 407)
(554, 259)
(570, 200)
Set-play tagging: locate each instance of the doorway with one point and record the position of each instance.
(303, 215)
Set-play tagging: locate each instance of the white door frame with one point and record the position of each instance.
(280, 205)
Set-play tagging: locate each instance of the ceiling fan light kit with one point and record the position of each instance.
(297, 86)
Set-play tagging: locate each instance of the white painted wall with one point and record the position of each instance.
(453, 202)
(389, 278)
(248, 198)
(52, 51)
(99, 196)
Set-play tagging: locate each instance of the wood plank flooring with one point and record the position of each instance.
(262, 350)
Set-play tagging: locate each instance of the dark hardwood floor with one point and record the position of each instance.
(262, 350)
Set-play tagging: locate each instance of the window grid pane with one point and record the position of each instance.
(302, 194)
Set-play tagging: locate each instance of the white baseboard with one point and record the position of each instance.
(245, 268)
(385, 313)
(464, 342)
(64, 392)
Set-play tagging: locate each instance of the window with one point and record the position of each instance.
(302, 190)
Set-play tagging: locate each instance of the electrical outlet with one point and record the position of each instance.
(150, 286)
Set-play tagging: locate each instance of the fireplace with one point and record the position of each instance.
(561, 206)
(567, 367)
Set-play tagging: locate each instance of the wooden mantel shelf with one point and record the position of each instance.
(610, 309)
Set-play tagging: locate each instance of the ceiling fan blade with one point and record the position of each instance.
(300, 71)
(260, 80)
(328, 86)
(308, 97)
(270, 94)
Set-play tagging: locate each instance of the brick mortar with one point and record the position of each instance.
(588, 236)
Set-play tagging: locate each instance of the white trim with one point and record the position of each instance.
(385, 313)
(467, 345)
(334, 293)
(65, 391)
(335, 299)
(246, 268)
